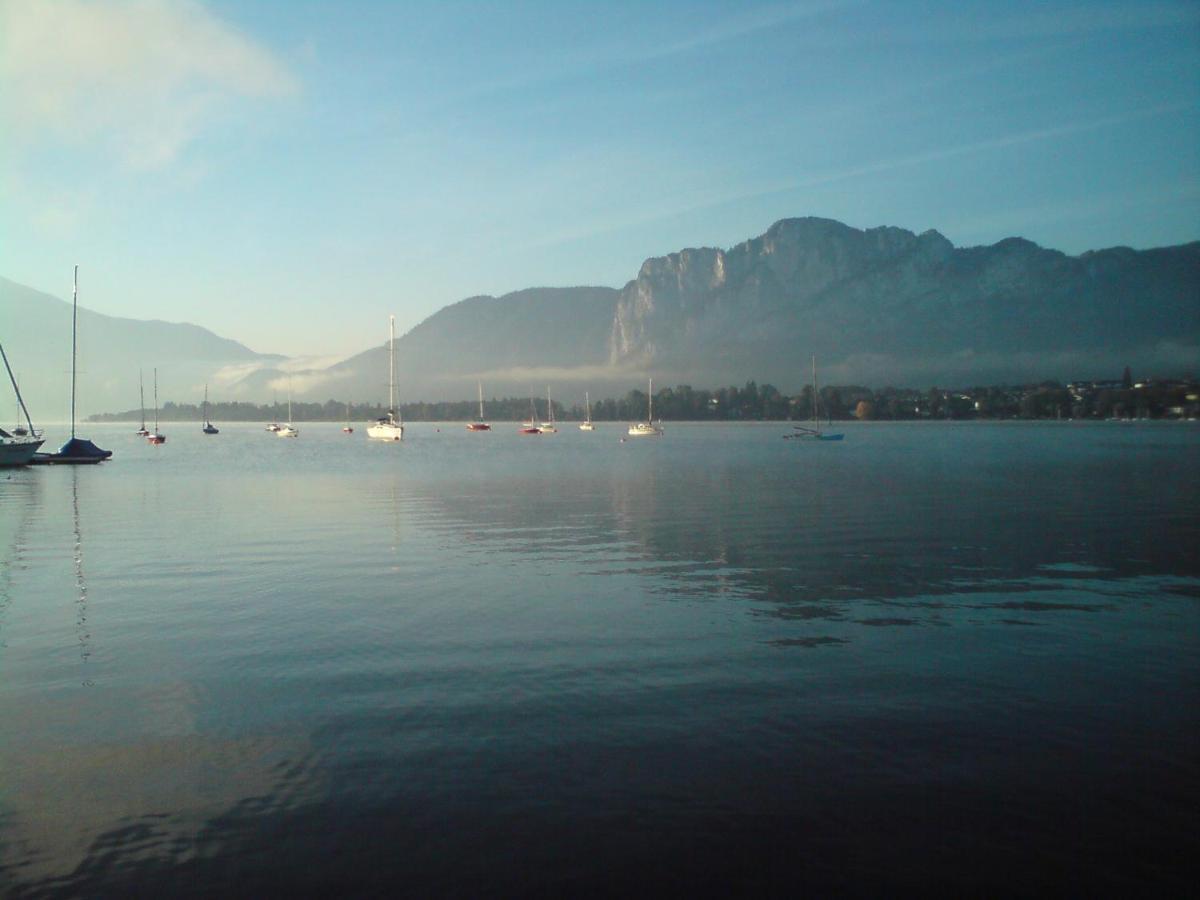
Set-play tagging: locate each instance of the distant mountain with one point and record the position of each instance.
(877, 306)
(886, 305)
(36, 333)
(512, 344)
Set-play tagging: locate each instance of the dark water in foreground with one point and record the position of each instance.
(932, 658)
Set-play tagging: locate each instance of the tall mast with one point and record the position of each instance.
(392, 367)
(155, 400)
(650, 403)
(16, 389)
(814, 368)
(142, 397)
(480, 385)
(549, 406)
(74, 316)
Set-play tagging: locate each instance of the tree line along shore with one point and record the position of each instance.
(1123, 398)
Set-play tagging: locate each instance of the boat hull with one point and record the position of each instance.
(18, 452)
(644, 429)
(478, 426)
(385, 431)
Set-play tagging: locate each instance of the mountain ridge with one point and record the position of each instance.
(881, 305)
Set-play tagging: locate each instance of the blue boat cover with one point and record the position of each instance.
(81, 447)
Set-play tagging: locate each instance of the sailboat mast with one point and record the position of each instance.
(479, 384)
(155, 401)
(74, 318)
(142, 396)
(16, 389)
(650, 403)
(392, 366)
(814, 368)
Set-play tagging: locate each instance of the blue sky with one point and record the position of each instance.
(289, 173)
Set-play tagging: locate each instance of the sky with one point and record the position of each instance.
(290, 173)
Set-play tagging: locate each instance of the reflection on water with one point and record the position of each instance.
(478, 664)
(81, 620)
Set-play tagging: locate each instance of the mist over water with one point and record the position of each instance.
(954, 654)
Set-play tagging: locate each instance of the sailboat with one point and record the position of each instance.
(533, 426)
(479, 424)
(288, 430)
(274, 426)
(142, 432)
(348, 428)
(76, 451)
(209, 427)
(18, 448)
(548, 427)
(586, 424)
(155, 437)
(813, 432)
(647, 428)
(389, 427)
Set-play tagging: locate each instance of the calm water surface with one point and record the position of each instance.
(932, 657)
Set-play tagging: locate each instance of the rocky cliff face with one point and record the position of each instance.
(870, 300)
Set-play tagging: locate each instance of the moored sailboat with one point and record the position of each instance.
(647, 428)
(389, 427)
(18, 448)
(274, 426)
(156, 437)
(586, 424)
(548, 427)
(814, 432)
(288, 430)
(348, 428)
(209, 427)
(76, 451)
(479, 424)
(142, 431)
(533, 426)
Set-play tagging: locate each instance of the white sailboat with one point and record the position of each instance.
(647, 428)
(17, 449)
(274, 426)
(548, 427)
(156, 437)
(389, 427)
(479, 424)
(209, 427)
(586, 424)
(288, 430)
(813, 433)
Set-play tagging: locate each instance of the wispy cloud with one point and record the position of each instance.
(874, 167)
(649, 47)
(144, 77)
(1019, 23)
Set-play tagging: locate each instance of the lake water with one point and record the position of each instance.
(933, 658)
